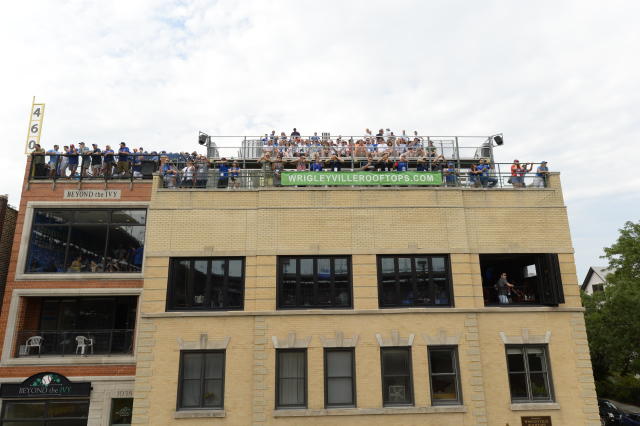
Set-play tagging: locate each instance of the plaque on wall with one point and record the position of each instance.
(536, 421)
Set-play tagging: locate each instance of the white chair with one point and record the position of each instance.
(83, 343)
(34, 342)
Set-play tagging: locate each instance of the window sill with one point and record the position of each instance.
(198, 414)
(70, 360)
(535, 406)
(368, 411)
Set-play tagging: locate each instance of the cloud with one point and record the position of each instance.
(558, 79)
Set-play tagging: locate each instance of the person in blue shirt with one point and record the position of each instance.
(168, 171)
(450, 175)
(485, 179)
(223, 173)
(402, 165)
(541, 175)
(54, 155)
(123, 160)
(73, 160)
(137, 163)
(316, 166)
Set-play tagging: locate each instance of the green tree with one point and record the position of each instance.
(613, 318)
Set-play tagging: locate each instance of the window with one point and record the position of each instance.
(45, 413)
(291, 378)
(86, 240)
(597, 287)
(206, 283)
(407, 280)
(529, 375)
(314, 282)
(397, 386)
(201, 382)
(445, 379)
(339, 377)
(121, 409)
(536, 279)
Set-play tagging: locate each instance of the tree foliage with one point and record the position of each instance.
(613, 316)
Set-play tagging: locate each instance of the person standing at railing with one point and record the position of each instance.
(474, 176)
(202, 171)
(107, 166)
(515, 176)
(334, 163)
(223, 173)
(265, 163)
(123, 160)
(64, 162)
(234, 175)
(402, 165)
(96, 160)
(136, 163)
(316, 165)
(85, 160)
(485, 179)
(54, 159)
(295, 133)
(384, 164)
(38, 168)
(450, 175)
(187, 175)
(542, 172)
(168, 171)
(73, 161)
(522, 172)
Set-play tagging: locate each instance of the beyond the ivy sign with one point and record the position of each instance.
(45, 385)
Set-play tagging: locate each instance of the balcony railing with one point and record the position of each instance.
(498, 176)
(74, 342)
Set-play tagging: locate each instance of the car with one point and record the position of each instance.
(630, 419)
(610, 415)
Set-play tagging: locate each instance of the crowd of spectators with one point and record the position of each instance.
(81, 161)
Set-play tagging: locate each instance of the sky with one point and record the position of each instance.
(558, 78)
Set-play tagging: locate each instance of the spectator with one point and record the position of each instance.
(369, 166)
(502, 287)
(168, 171)
(136, 163)
(315, 137)
(335, 163)
(301, 163)
(108, 162)
(54, 160)
(515, 176)
(384, 164)
(234, 175)
(402, 165)
(474, 176)
(73, 161)
(485, 179)
(450, 175)
(38, 168)
(64, 162)
(187, 175)
(265, 162)
(277, 166)
(522, 172)
(202, 171)
(422, 165)
(85, 159)
(223, 173)
(316, 166)
(123, 160)
(295, 133)
(96, 160)
(542, 172)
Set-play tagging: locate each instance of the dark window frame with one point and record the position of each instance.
(279, 283)
(46, 403)
(111, 414)
(453, 349)
(170, 307)
(202, 379)
(70, 225)
(353, 378)
(410, 375)
(305, 404)
(527, 373)
(431, 287)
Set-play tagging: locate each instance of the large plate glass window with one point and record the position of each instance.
(206, 283)
(314, 282)
(86, 240)
(414, 280)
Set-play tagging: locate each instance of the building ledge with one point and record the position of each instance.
(535, 406)
(368, 411)
(184, 314)
(79, 276)
(70, 360)
(198, 414)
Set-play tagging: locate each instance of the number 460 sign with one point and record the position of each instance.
(35, 126)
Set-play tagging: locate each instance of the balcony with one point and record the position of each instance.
(75, 327)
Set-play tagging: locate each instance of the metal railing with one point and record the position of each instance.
(498, 176)
(74, 342)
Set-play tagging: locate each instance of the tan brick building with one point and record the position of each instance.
(361, 305)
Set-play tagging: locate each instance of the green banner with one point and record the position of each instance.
(360, 178)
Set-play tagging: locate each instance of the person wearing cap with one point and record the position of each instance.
(107, 164)
(123, 160)
(96, 160)
(85, 160)
(485, 179)
(539, 181)
(450, 175)
(223, 173)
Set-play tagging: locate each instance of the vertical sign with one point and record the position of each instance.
(35, 126)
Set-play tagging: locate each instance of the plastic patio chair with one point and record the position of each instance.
(83, 343)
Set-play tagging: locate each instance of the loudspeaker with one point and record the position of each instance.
(498, 140)
(202, 139)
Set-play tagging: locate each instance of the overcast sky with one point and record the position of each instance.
(560, 79)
